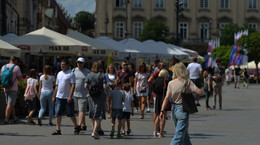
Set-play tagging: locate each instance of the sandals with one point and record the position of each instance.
(141, 117)
(77, 130)
(56, 132)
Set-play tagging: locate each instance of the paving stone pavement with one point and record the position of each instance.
(237, 124)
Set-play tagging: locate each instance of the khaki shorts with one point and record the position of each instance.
(80, 104)
(10, 97)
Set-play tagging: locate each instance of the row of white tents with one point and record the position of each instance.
(48, 42)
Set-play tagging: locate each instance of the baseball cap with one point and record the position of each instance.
(81, 59)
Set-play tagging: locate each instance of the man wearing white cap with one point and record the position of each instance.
(80, 92)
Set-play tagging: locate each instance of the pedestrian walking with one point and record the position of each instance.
(141, 87)
(46, 83)
(228, 73)
(207, 87)
(80, 93)
(30, 95)
(96, 83)
(10, 75)
(237, 73)
(245, 78)
(128, 109)
(117, 97)
(159, 89)
(63, 97)
(218, 78)
(124, 74)
(195, 71)
(174, 90)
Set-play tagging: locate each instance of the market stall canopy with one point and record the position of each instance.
(188, 51)
(98, 48)
(122, 49)
(47, 41)
(133, 44)
(165, 51)
(8, 50)
(9, 37)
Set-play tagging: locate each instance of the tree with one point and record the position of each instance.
(252, 44)
(155, 30)
(86, 21)
(227, 34)
(222, 52)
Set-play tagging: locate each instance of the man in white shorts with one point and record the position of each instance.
(228, 73)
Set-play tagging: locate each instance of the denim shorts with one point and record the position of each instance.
(117, 113)
(60, 104)
(10, 97)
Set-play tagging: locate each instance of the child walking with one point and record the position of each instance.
(207, 87)
(29, 95)
(117, 96)
(128, 106)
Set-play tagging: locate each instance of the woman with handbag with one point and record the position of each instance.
(159, 88)
(175, 90)
(141, 87)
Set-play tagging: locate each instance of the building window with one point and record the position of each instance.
(120, 3)
(185, 4)
(138, 3)
(224, 4)
(252, 4)
(222, 26)
(253, 25)
(204, 4)
(183, 30)
(137, 29)
(119, 29)
(204, 31)
(159, 3)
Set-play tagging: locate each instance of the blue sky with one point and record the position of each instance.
(74, 6)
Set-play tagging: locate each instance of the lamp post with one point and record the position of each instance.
(106, 22)
(126, 17)
(178, 12)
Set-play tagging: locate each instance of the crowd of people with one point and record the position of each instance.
(116, 92)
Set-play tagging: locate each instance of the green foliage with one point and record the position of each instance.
(227, 34)
(21, 86)
(223, 52)
(85, 20)
(155, 30)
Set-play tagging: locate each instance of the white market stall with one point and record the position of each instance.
(8, 50)
(98, 48)
(121, 50)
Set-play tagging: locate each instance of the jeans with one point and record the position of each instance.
(45, 99)
(181, 121)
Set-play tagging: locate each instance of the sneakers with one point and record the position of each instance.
(112, 133)
(77, 130)
(128, 131)
(51, 124)
(148, 110)
(100, 132)
(118, 136)
(95, 136)
(83, 127)
(214, 107)
(220, 108)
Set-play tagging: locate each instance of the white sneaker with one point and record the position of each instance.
(148, 110)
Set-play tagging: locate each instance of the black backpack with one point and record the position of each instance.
(94, 88)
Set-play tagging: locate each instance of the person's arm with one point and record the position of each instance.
(209, 84)
(135, 82)
(150, 81)
(36, 92)
(54, 95)
(132, 106)
(198, 94)
(164, 104)
(40, 88)
(72, 88)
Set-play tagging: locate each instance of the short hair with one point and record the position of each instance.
(218, 60)
(32, 73)
(140, 66)
(180, 71)
(163, 73)
(117, 83)
(97, 66)
(13, 58)
(126, 87)
(66, 61)
(195, 59)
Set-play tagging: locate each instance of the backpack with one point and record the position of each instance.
(29, 92)
(94, 88)
(7, 77)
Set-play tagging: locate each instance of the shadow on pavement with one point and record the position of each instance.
(202, 136)
(17, 134)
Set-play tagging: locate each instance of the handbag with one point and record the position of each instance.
(142, 89)
(188, 100)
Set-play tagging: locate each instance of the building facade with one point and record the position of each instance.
(200, 20)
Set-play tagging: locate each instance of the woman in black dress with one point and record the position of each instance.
(159, 88)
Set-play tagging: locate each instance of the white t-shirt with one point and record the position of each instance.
(194, 70)
(47, 85)
(127, 104)
(64, 81)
